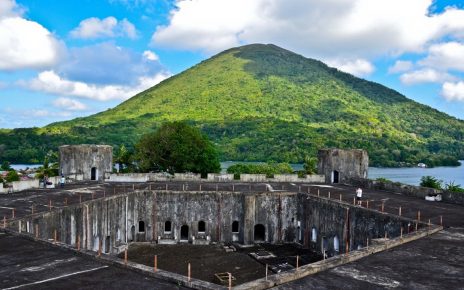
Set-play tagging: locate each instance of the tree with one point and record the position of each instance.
(177, 147)
(6, 166)
(124, 159)
(11, 176)
(430, 181)
(310, 165)
(47, 169)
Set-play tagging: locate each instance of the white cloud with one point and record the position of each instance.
(24, 43)
(358, 67)
(100, 28)
(150, 55)
(448, 55)
(106, 63)
(316, 28)
(453, 91)
(426, 75)
(69, 104)
(50, 82)
(400, 66)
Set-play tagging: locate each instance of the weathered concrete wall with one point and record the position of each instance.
(187, 176)
(409, 190)
(24, 184)
(253, 177)
(285, 177)
(344, 163)
(314, 178)
(220, 177)
(129, 177)
(324, 221)
(85, 159)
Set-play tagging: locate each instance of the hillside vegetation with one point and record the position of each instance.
(261, 103)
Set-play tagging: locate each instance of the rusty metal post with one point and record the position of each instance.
(80, 197)
(401, 233)
(329, 195)
(189, 272)
(266, 271)
(367, 203)
(183, 187)
(367, 243)
(133, 187)
(13, 213)
(441, 220)
(4, 222)
(299, 188)
(32, 209)
(93, 195)
(166, 187)
(318, 193)
(36, 231)
(297, 262)
(417, 226)
(78, 243)
(399, 211)
(383, 206)
(155, 265)
(309, 189)
(340, 197)
(354, 200)
(54, 237)
(65, 201)
(99, 248)
(200, 186)
(233, 187)
(125, 256)
(230, 281)
(49, 204)
(418, 215)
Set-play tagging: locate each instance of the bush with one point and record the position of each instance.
(383, 179)
(431, 182)
(453, 187)
(267, 168)
(11, 176)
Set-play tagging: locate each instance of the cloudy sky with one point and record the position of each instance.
(64, 59)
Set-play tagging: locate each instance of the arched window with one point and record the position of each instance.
(201, 227)
(167, 226)
(336, 244)
(235, 227)
(260, 233)
(141, 226)
(314, 235)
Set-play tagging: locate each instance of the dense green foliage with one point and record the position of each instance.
(310, 165)
(454, 187)
(11, 176)
(177, 147)
(269, 169)
(260, 103)
(47, 169)
(431, 182)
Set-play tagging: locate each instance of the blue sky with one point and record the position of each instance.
(65, 59)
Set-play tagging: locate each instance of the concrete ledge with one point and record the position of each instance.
(335, 261)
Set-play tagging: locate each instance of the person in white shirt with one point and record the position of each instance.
(359, 194)
(62, 180)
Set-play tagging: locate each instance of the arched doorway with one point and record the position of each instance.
(336, 244)
(184, 233)
(167, 227)
(335, 176)
(141, 226)
(107, 244)
(93, 173)
(132, 237)
(201, 227)
(260, 233)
